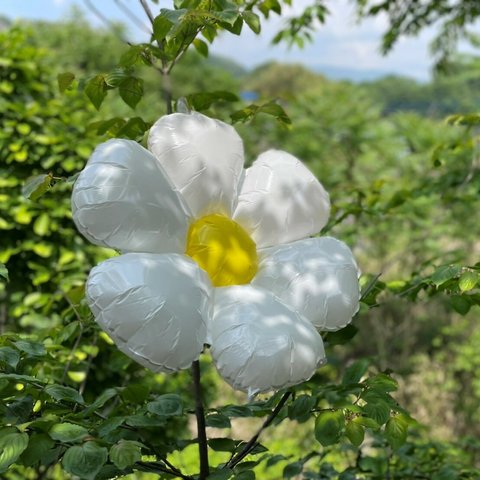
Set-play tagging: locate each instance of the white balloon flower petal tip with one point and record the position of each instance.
(213, 254)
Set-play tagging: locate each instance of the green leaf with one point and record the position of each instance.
(3, 271)
(468, 280)
(396, 431)
(135, 393)
(444, 273)
(221, 474)
(229, 16)
(340, 337)
(131, 91)
(217, 420)
(68, 432)
(237, 411)
(301, 408)
(252, 20)
(36, 186)
(355, 372)
(11, 447)
(39, 448)
(355, 433)
(85, 460)
(65, 80)
(9, 356)
(460, 304)
(203, 100)
(33, 349)
(101, 400)
(292, 469)
(201, 47)
(222, 444)
(382, 383)
(366, 422)
(245, 475)
(378, 410)
(161, 26)
(328, 427)
(166, 405)
(125, 453)
(66, 394)
(96, 90)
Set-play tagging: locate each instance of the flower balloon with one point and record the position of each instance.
(212, 253)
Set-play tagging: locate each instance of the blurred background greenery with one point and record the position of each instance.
(404, 184)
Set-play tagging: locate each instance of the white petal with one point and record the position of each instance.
(154, 307)
(281, 200)
(123, 200)
(258, 343)
(318, 277)
(203, 158)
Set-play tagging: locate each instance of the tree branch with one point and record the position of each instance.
(200, 414)
(252, 443)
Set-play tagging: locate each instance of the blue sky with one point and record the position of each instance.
(341, 43)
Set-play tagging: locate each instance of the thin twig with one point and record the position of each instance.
(200, 414)
(137, 21)
(252, 443)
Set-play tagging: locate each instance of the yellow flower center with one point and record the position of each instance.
(223, 249)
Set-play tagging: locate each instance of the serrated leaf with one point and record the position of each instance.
(292, 469)
(68, 432)
(4, 271)
(36, 186)
(125, 453)
(221, 474)
(378, 410)
(355, 433)
(166, 405)
(468, 280)
(131, 91)
(12, 446)
(66, 394)
(252, 20)
(355, 372)
(340, 337)
(96, 90)
(366, 422)
(65, 80)
(203, 100)
(328, 427)
(396, 431)
(85, 460)
(39, 447)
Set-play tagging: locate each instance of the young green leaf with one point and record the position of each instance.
(355, 433)
(36, 186)
(468, 280)
(252, 20)
(96, 90)
(131, 91)
(328, 427)
(396, 431)
(355, 372)
(65, 80)
(66, 394)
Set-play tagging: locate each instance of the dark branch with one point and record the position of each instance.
(252, 443)
(200, 414)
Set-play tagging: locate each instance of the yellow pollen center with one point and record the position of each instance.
(223, 249)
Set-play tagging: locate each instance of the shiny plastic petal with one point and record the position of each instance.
(124, 200)
(318, 277)
(281, 200)
(203, 158)
(258, 343)
(154, 307)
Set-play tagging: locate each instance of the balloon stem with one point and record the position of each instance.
(200, 414)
